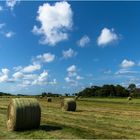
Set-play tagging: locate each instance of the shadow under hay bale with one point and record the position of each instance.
(23, 114)
(49, 99)
(68, 104)
(50, 127)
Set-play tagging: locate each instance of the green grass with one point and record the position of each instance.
(95, 118)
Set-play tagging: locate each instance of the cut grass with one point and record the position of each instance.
(98, 118)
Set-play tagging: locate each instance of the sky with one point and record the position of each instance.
(65, 46)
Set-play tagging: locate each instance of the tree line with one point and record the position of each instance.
(109, 91)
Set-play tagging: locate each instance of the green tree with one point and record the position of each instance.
(132, 88)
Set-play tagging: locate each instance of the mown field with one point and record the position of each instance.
(95, 118)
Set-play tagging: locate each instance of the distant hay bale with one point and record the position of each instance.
(129, 98)
(23, 114)
(76, 98)
(49, 99)
(68, 104)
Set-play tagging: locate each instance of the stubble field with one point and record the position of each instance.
(94, 118)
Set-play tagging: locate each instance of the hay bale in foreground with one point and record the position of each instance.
(49, 99)
(23, 114)
(68, 104)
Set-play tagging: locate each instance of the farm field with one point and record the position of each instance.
(94, 118)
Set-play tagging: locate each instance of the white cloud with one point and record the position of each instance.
(84, 41)
(72, 73)
(11, 3)
(42, 79)
(4, 75)
(79, 77)
(21, 76)
(67, 79)
(55, 21)
(127, 63)
(72, 76)
(30, 76)
(69, 53)
(9, 34)
(45, 58)
(72, 68)
(5, 71)
(107, 36)
(31, 68)
(125, 71)
(18, 75)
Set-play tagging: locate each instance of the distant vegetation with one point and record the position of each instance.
(4, 94)
(110, 91)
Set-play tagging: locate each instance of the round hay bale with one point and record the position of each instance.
(129, 98)
(76, 98)
(49, 99)
(23, 114)
(68, 104)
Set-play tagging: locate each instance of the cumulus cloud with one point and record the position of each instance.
(9, 34)
(42, 79)
(31, 68)
(44, 58)
(72, 76)
(26, 80)
(127, 63)
(22, 76)
(18, 75)
(11, 3)
(4, 75)
(83, 41)
(72, 68)
(55, 21)
(107, 36)
(69, 53)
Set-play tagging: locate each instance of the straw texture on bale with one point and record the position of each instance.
(68, 104)
(49, 99)
(23, 114)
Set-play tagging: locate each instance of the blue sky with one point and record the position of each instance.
(66, 46)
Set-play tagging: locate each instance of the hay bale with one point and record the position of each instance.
(49, 99)
(129, 98)
(76, 98)
(23, 114)
(68, 104)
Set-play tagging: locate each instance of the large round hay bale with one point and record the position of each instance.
(23, 114)
(49, 99)
(68, 104)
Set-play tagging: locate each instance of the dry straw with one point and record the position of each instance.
(23, 114)
(68, 104)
